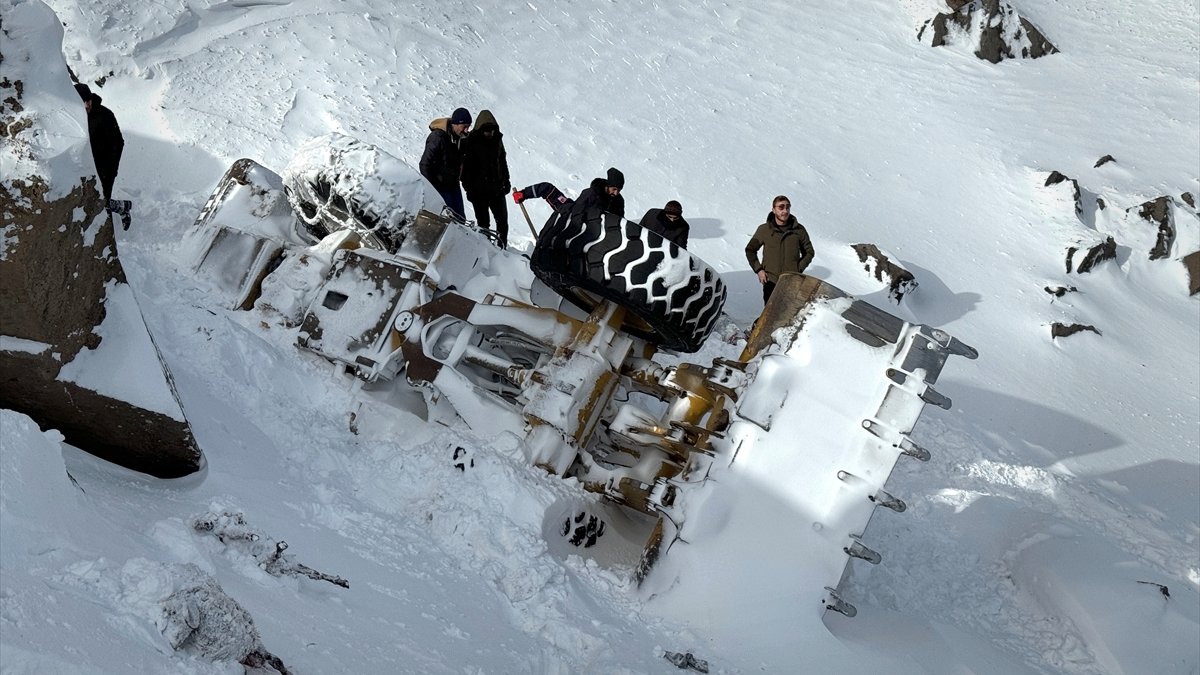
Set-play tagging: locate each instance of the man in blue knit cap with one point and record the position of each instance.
(441, 163)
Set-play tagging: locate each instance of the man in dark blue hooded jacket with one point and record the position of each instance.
(107, 145)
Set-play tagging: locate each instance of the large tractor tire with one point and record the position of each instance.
(671, 297)
(337, 182)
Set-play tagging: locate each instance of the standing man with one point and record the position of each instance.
(785, 246)
(485, 175)
(441, 163)
(107, 144)
(668, 221)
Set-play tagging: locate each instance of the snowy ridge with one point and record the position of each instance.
(1060, 500)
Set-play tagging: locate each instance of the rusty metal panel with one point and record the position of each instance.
(350, 318)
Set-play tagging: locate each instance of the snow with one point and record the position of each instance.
(126, 364)
(1063, 485)
(60, 141)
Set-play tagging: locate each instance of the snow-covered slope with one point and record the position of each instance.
(1062, 494)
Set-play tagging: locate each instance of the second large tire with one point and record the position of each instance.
(337, 182)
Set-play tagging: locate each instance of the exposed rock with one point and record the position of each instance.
(993, 27)
(899, 280)
(1158, 211)
(1105, 250)
(1059, 291)
(1055, 178)
(1188, 199)
(1058, 330)
(1104, 160)
(1101, 204)
(1191, 262)
(60, 278)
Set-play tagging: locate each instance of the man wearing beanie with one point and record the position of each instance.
(600, 199)
(668, 221)
(107, 144)
(441, 163)
(602, 196)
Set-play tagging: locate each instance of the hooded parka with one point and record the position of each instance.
(485, 163)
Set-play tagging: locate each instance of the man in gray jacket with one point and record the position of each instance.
(785, 246)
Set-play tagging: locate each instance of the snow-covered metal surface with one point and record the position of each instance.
(771, 464)
(338, 179)
(815, 432)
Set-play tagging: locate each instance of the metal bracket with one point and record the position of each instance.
(857, 550)
(837, 604)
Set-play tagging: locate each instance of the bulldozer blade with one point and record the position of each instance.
(833, 388)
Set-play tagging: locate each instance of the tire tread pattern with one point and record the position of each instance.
(675, 293)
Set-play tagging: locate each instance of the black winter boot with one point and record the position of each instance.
(121, 207)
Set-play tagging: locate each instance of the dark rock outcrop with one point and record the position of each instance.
(993, 27)
(1105, 250)
(1059, 291)
(1188, 199)
(1104, 160)
(1191, 262)
(1055, 178)
(52, 293)
(1058, 330)
(1158, 211)
(899, 280)
(59, 273)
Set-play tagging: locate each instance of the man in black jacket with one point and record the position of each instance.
(441, 163)
(485, 175)
(601, 198)
(107, 145)
(668, 221)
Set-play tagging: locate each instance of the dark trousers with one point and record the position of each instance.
(106, 170)
(498, 206)
(106, 184)
(454, 200)
(768, 288)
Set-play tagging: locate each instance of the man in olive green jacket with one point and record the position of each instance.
(785, 246)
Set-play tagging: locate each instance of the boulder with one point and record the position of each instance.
(1191, 262)
(1158, 212)
(992, 28)
(1059, 291)
(1058, 330)
(899, 280)
(1096, 254)
(75, 354)
(1055, 178)
(1188, 199)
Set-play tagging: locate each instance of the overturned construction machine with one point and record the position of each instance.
(350, 247)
